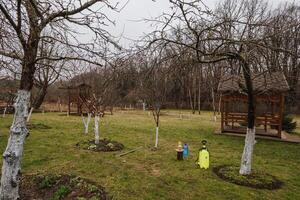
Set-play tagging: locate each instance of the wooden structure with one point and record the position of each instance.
(269, 90)
(79, 95)
(8, 93)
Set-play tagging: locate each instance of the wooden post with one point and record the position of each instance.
(226, 111)
(232, 116)
(78, 102)
(69, 102)
(281, 115)
(222, 115)
(266, 122)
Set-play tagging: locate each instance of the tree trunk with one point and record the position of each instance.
(199, 95)
(11, 168)
(156, 137)
(111, 109)
(248, 151)
(29, 115)
(246, 160)
(97, 136)
(213, 104)
(40, 98)
(191, 101)
(4, 112)
(220, 101)
(86, 123)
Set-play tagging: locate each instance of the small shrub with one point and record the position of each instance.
(92, 188)
(61, 192)
(288, 124)
(47, 182)
(74, 181)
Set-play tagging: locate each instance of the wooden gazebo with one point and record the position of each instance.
(78, 94)
(270, 90)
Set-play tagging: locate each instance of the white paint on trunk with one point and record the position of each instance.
(28, 118)
(144, 106)
(215, 118)
(245, 168)
(11, 168)
(86, 123)
(97, 133)
(156, 137)
(4, 112)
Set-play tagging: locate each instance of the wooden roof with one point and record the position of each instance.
(274, 82)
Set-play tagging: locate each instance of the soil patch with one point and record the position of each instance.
(104, 145)
(257, 179)
(39, 126)
(60, 187)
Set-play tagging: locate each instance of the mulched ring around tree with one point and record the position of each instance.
(104, 145)
(257, 179)
(60, 187)
(36, 126)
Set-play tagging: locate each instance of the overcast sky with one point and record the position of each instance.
(128, 21)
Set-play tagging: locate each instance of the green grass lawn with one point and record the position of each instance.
(147, 174)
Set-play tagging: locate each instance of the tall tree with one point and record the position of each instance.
(24, 24)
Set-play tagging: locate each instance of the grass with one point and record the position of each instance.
(147, 174)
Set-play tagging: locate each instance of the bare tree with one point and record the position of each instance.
(48, 71)
(153, 88)
(24, 24)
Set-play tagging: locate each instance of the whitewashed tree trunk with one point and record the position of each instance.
(28, 118)
(220, 101)
(11, 168)
(245, 168)
(215, 118)
(97, 135)
(156, 137)
(4, 112)
(86, 123)
(144, 106)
